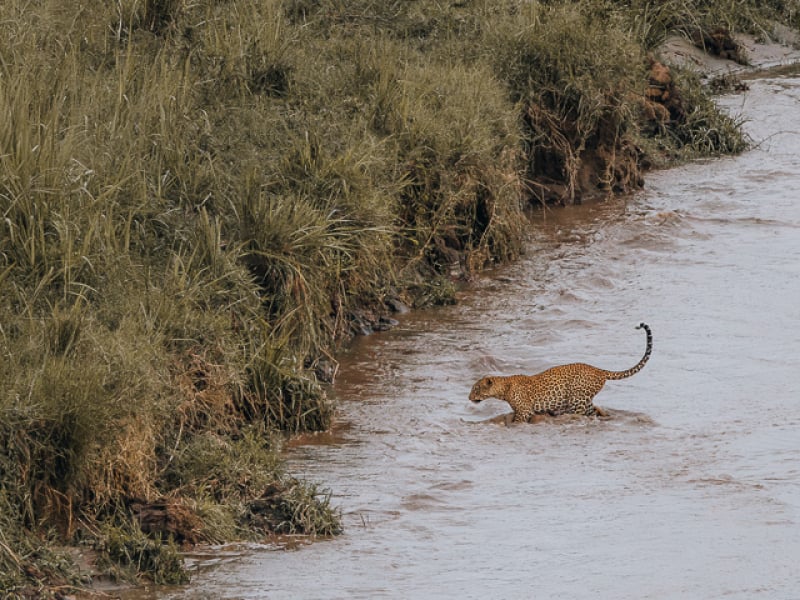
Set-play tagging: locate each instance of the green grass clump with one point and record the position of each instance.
(288, 507)
(124, 552)
(201, 201)
(704, 130)
(29, 564)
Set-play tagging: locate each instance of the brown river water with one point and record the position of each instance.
(690, 490)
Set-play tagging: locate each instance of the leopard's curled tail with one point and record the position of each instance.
(641, 363)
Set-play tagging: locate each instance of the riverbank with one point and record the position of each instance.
(707, 254)
(202, 202)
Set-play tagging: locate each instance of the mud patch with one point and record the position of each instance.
(679, 51)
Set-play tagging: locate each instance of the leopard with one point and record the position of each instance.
(565, 389)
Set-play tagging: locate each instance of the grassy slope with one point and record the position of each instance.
(201, 199)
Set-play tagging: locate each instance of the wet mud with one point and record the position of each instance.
(689, 489)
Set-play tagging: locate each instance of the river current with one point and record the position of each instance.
(690, 490)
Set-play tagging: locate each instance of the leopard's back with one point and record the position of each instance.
(558, 390)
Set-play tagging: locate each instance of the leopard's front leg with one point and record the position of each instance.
(522, 414)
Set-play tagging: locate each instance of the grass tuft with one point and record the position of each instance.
(124, 552)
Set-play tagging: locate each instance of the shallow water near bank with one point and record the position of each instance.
(690, 489)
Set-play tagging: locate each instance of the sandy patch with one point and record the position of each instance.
(783, 50)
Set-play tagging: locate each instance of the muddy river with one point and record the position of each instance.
(690, 490)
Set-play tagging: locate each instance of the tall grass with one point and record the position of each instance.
(199, 201)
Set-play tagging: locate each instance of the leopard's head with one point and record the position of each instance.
(484, 388)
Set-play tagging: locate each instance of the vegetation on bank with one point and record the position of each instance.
(199, 200)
